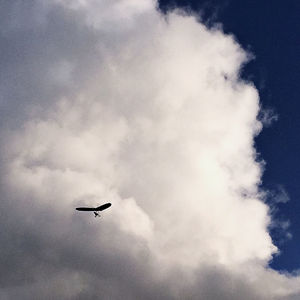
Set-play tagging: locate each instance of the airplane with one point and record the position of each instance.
(95, 209)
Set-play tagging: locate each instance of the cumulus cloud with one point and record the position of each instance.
(110, 101)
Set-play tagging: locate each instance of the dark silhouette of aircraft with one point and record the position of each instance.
(95, 209)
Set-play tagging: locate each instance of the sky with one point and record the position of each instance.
(176, 117)
(270, 31)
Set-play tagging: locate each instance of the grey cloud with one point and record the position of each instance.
(30, 50)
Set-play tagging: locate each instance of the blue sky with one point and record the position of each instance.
(270, 30)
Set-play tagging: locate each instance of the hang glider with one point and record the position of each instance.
(95, 209)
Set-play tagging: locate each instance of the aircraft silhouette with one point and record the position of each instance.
(95, 209)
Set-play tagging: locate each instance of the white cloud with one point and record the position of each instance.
(151, 115)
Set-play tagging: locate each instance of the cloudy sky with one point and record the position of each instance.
(118, 101)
